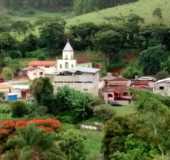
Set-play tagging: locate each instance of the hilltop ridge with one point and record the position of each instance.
(143, 8)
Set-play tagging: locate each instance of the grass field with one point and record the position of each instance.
(92, 142)
(143, 8)
(125, 110)
(93, 139)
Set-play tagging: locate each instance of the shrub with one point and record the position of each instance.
(104, 111)
(74, 104)
(9, 127)
(7, 73)
(132, 70)
(161, 75)
(19, 109)
(72, 144)
(5, 108)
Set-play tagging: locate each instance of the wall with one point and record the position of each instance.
(85, 82)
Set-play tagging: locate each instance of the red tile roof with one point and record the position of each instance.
(42, 63)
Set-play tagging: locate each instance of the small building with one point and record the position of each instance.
(116, 89)
(22, 90)
(144, 83)
(162, 87)
(34, 73)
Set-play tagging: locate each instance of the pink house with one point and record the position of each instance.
(116, 89)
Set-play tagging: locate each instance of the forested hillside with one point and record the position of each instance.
(37, 4)
(79, 6)
(155, 11)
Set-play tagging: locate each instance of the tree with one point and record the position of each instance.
(82, 35)
(162, 75)
(14, 64)
(42, 90)
(33, 143)
(132, 26)
(29, 43)
(7, 73)
(7, 42)
(74, 105)
(52, 35)
(166, 65)
(109, 42)
(132, 70)
(72, 144)
(19, 109)
(157, 13)
(151, 59)
(21, 27)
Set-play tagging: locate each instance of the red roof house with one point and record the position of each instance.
(142, 84)
(116, 89)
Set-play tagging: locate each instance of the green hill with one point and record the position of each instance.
(143, 8)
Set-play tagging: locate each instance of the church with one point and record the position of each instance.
(68, 72)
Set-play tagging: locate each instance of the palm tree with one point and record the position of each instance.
(32, 143)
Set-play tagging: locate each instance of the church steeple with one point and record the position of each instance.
(68, 52)
(67, 62)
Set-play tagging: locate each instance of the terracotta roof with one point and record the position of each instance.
(116, 89)
(120, 79)
(82, 59)
(42, 63)
(140, 82)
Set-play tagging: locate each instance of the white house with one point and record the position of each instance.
(162, 87)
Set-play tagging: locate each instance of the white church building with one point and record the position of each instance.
(67, 72)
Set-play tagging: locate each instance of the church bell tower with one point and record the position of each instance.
(67, 62)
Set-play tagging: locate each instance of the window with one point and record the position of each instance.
(66, 65)
(161, 87)
(125, 94)
(41, 73)
(110, 95)
(61, 66)
(72, 66)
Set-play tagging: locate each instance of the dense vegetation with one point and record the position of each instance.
(79, 6)
(38, 4)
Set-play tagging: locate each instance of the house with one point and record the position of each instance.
(116, 89)
(144, 82)
(162, 87)
(67, 71)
